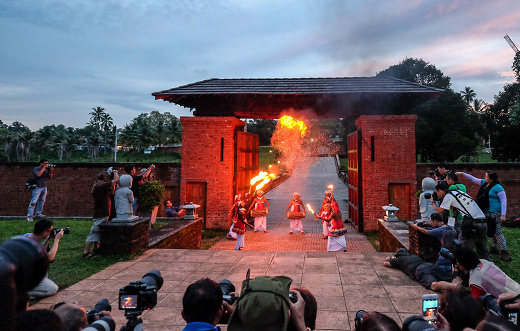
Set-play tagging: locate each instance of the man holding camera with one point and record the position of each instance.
(474, 226)
(101, 192)
(446, 235)
(43, 230)
(130, 170)
(43, 171)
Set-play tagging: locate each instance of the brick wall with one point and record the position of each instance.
(69, 191)
(508, 174)
(204, 161)
(394, 162)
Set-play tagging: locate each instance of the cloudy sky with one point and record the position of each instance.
(61, 58)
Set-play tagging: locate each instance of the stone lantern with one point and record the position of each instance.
(390, 213)
(191, 208)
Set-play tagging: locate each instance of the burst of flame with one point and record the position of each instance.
(331, 187)
(310, 209)
(290, 123)
(264, 177)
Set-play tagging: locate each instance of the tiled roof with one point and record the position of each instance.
(243, 97)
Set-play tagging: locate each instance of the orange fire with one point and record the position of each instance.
(331, 187)
(290, 123)
(263, 177)
(310, 209)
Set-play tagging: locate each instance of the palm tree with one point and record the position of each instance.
(96, 117)
(106, 126)
(479, 106)
(468, 95)
(23, 145)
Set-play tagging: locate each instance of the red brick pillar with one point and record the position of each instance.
(208, 159)
(388, 166)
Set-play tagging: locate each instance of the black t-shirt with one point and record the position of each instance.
(135, 185)
(407, 264)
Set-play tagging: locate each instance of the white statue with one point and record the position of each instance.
(425, 204)
(123, 199)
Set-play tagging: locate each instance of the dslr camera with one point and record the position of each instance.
(430, 195)
(490, 303)
(102, 305)
(227, 287)
(138, 296)
(55, 231)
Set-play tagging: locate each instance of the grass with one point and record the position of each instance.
(512, 269)
(69, 267)
(210, 237)
(373, 238)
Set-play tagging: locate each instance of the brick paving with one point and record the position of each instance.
(343, 283)
(311, 181)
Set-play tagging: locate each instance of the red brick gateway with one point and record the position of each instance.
(219, 158)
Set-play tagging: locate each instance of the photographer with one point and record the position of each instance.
(43, 230)
(484, 276)
(101, 192)
(43, 171)
(441, 172)
(75, 318)
(427, 274)
(474, 226)
(171, 211)
(446, 235)
(202, 305)
(130, 170)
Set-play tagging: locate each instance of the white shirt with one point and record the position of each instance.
(468, 204)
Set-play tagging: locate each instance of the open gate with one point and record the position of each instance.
(355, 192)
(246, 161)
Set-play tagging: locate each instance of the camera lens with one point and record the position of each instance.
(226, 286)
(427, 195)
(417, 323)
(153, 278)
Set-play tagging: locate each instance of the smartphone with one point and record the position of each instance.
(430, 304)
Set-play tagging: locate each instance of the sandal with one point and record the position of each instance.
(88, 255)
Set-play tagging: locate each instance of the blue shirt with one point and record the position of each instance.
(494, 201)
(200, 326)
(442, 262)
(173, 211)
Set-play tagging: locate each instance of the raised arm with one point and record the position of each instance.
(471, 178)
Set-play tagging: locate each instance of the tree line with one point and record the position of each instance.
(98, 136)
(448, 128)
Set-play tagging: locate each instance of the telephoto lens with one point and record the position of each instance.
(102, 305)
(417, 323)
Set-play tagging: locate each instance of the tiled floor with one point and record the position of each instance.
(343, 283)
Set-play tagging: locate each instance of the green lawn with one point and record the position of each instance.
(512, 269)
(69, 267)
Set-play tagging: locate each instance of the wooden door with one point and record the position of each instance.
(399, 196)
(196, 193)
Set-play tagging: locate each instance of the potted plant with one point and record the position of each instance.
(150, 198)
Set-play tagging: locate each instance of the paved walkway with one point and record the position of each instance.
(310, 180)
(343, 283)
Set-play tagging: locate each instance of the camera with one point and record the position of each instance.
(430, 195)
(448, 255)
(102, 305)
(227, 287)
(490, 303)
(55, 231)
(423, 225)
(142, 294)
(435, 172)
(51, 165)
(138, 296)
(293, 297)
(417, 323)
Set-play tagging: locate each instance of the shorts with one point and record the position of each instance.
(427, 273)
(95, 230)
